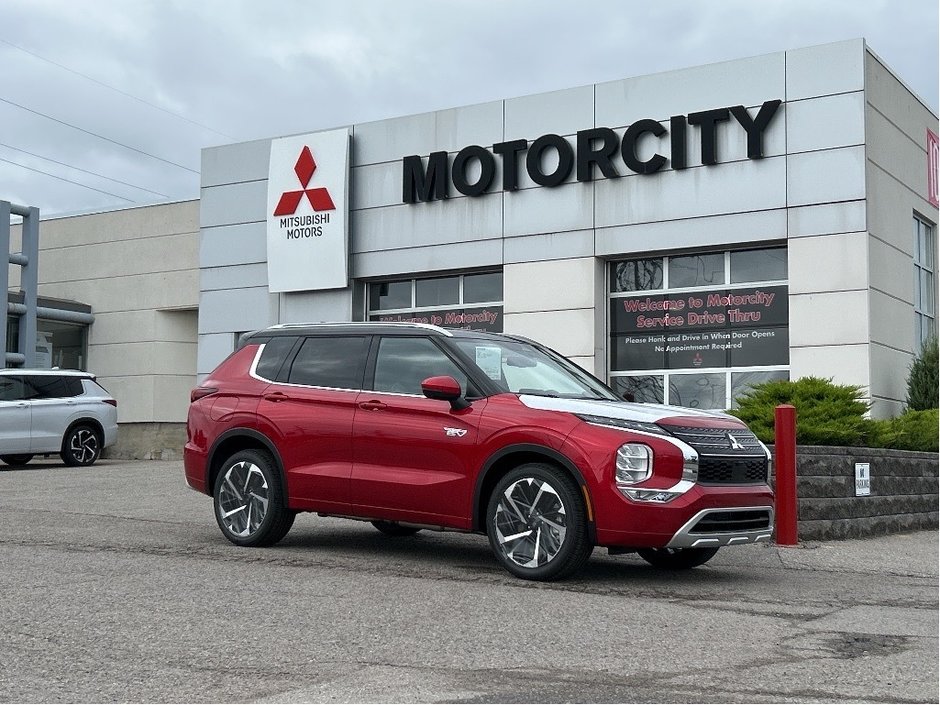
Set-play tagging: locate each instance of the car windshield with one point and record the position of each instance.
(523, 368)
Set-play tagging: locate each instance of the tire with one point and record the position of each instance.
(676, 558)
(393, 528)
(16, 459)
(81, 446)
(249, 501)
(537, 523)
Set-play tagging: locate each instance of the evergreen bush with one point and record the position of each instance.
(826, 413)
(922, 387)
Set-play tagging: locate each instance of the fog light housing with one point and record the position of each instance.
(634, 463)
(658, 496)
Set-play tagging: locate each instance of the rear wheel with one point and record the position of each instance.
(16, 459)
(249, 501)
(81, 446)
(537, 523)
(676, 558)
(393, 528)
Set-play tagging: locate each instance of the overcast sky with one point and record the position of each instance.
(233, 70)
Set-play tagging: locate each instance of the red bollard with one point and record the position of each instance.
(785, 469)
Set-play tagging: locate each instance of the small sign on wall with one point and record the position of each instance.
(862, 479)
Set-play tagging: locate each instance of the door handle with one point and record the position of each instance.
(372, 405)
(276, 397)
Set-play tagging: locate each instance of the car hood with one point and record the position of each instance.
(647, 413)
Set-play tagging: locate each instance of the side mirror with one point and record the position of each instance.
(444, 388)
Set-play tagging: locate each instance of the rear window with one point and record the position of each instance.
(273, 356)
(331, 362)
(53, 387)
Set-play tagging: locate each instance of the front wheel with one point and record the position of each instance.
(16, 459)
(249, 500)
(676, 558)
(537, 523)
(81, 446)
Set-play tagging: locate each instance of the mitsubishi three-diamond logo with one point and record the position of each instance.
(319, 197)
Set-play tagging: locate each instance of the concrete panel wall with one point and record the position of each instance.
(896, 176)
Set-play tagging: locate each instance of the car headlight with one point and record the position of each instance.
(634, 463)
(625, 424)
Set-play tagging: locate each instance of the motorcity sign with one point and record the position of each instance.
(473, 169)
(480, 318)
(307, 216)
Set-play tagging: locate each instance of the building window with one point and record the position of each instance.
(925, 292)
(698, 330)
(473, 301)
(58, 343)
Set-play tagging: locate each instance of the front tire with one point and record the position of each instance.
(81, 446)
(16, 459)
(677, 558)
(537, 523)
(249, 500)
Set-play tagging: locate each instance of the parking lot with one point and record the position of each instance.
(118, 586)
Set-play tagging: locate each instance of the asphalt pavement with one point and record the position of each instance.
(116, 585)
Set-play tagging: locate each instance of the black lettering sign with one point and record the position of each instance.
(595, 147)
(482, 318)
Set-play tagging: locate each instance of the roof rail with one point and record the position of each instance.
(405, 324)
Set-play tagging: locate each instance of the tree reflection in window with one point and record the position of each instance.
(638, 275)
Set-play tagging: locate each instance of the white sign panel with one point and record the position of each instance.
(862, 480)
(308, 184)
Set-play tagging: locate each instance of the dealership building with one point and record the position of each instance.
(681, 235)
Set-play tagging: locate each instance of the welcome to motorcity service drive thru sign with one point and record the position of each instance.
(308, 224)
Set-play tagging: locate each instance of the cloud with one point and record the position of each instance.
(250, 70)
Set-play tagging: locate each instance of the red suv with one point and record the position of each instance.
(415, 427)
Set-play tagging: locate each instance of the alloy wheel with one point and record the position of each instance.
(530, 522)
(83, 446)
(243, 499)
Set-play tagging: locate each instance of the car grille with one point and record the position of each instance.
(722, 462)
(714, 470)
(732, 521)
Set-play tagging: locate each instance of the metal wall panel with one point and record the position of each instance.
(233, 244)
(559, 112)
(825, 69)
(662, 95)
(233, 204)
(235, 163)
(826, 176)
(444, 130)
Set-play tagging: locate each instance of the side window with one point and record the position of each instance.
(403, 363)
(331, 362)
(48, 387)
(73, 386)
(273, 355)
(11, 389)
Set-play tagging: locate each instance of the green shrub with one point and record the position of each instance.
(913, 430)
(922, 386)
(826, 413)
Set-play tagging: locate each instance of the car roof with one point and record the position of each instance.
(57, 372)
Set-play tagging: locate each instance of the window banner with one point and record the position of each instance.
(708, 329)
(482, 318)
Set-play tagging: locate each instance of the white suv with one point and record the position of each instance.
(46, 412)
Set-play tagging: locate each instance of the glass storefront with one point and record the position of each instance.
(698, 330)
(58, 344)
(473, 301)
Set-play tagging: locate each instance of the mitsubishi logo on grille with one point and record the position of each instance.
(319, 197)
(735, 443)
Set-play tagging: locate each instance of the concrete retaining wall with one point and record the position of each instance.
(903, 496)
(148, 441)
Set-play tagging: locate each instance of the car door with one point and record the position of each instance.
(311, 406)
(52, 407)
(414, 458)
(14, 416)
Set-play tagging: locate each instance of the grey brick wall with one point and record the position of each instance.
(904, 495)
